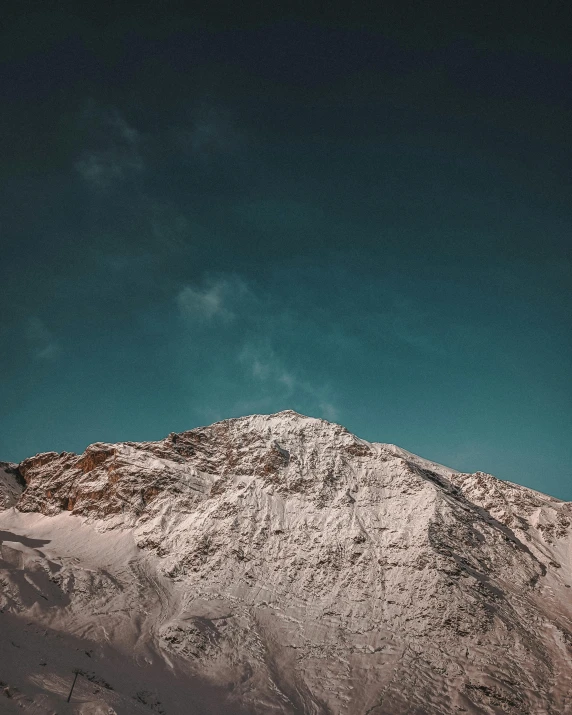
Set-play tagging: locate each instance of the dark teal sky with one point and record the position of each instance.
(366, 220)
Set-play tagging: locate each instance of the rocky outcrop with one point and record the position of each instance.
(327, 575)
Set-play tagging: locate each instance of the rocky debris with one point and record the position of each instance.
(151, 700)
(304, 570)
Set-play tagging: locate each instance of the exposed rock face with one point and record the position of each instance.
(11, 485)
(308, 571)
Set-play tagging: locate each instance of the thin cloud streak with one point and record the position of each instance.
(254, 322)
(266, 367)
(118, 154)
(43, 344)
(217, 299)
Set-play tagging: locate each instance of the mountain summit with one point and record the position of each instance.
(279, 564)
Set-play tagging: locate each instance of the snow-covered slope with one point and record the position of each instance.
(279, 564)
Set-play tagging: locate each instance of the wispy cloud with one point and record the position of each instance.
(264, 355)
(114, 150)
(215, 299)
(42, 342)
(262, 362)
(212, 133)
(104, 168)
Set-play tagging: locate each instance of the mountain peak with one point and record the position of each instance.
(286, 416)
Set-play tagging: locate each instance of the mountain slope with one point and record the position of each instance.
(278, 563)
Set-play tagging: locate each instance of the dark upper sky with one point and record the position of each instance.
(365, 218)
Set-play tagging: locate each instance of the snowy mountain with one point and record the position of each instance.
(279, 564)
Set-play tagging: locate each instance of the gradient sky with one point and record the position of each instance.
(365, 220)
